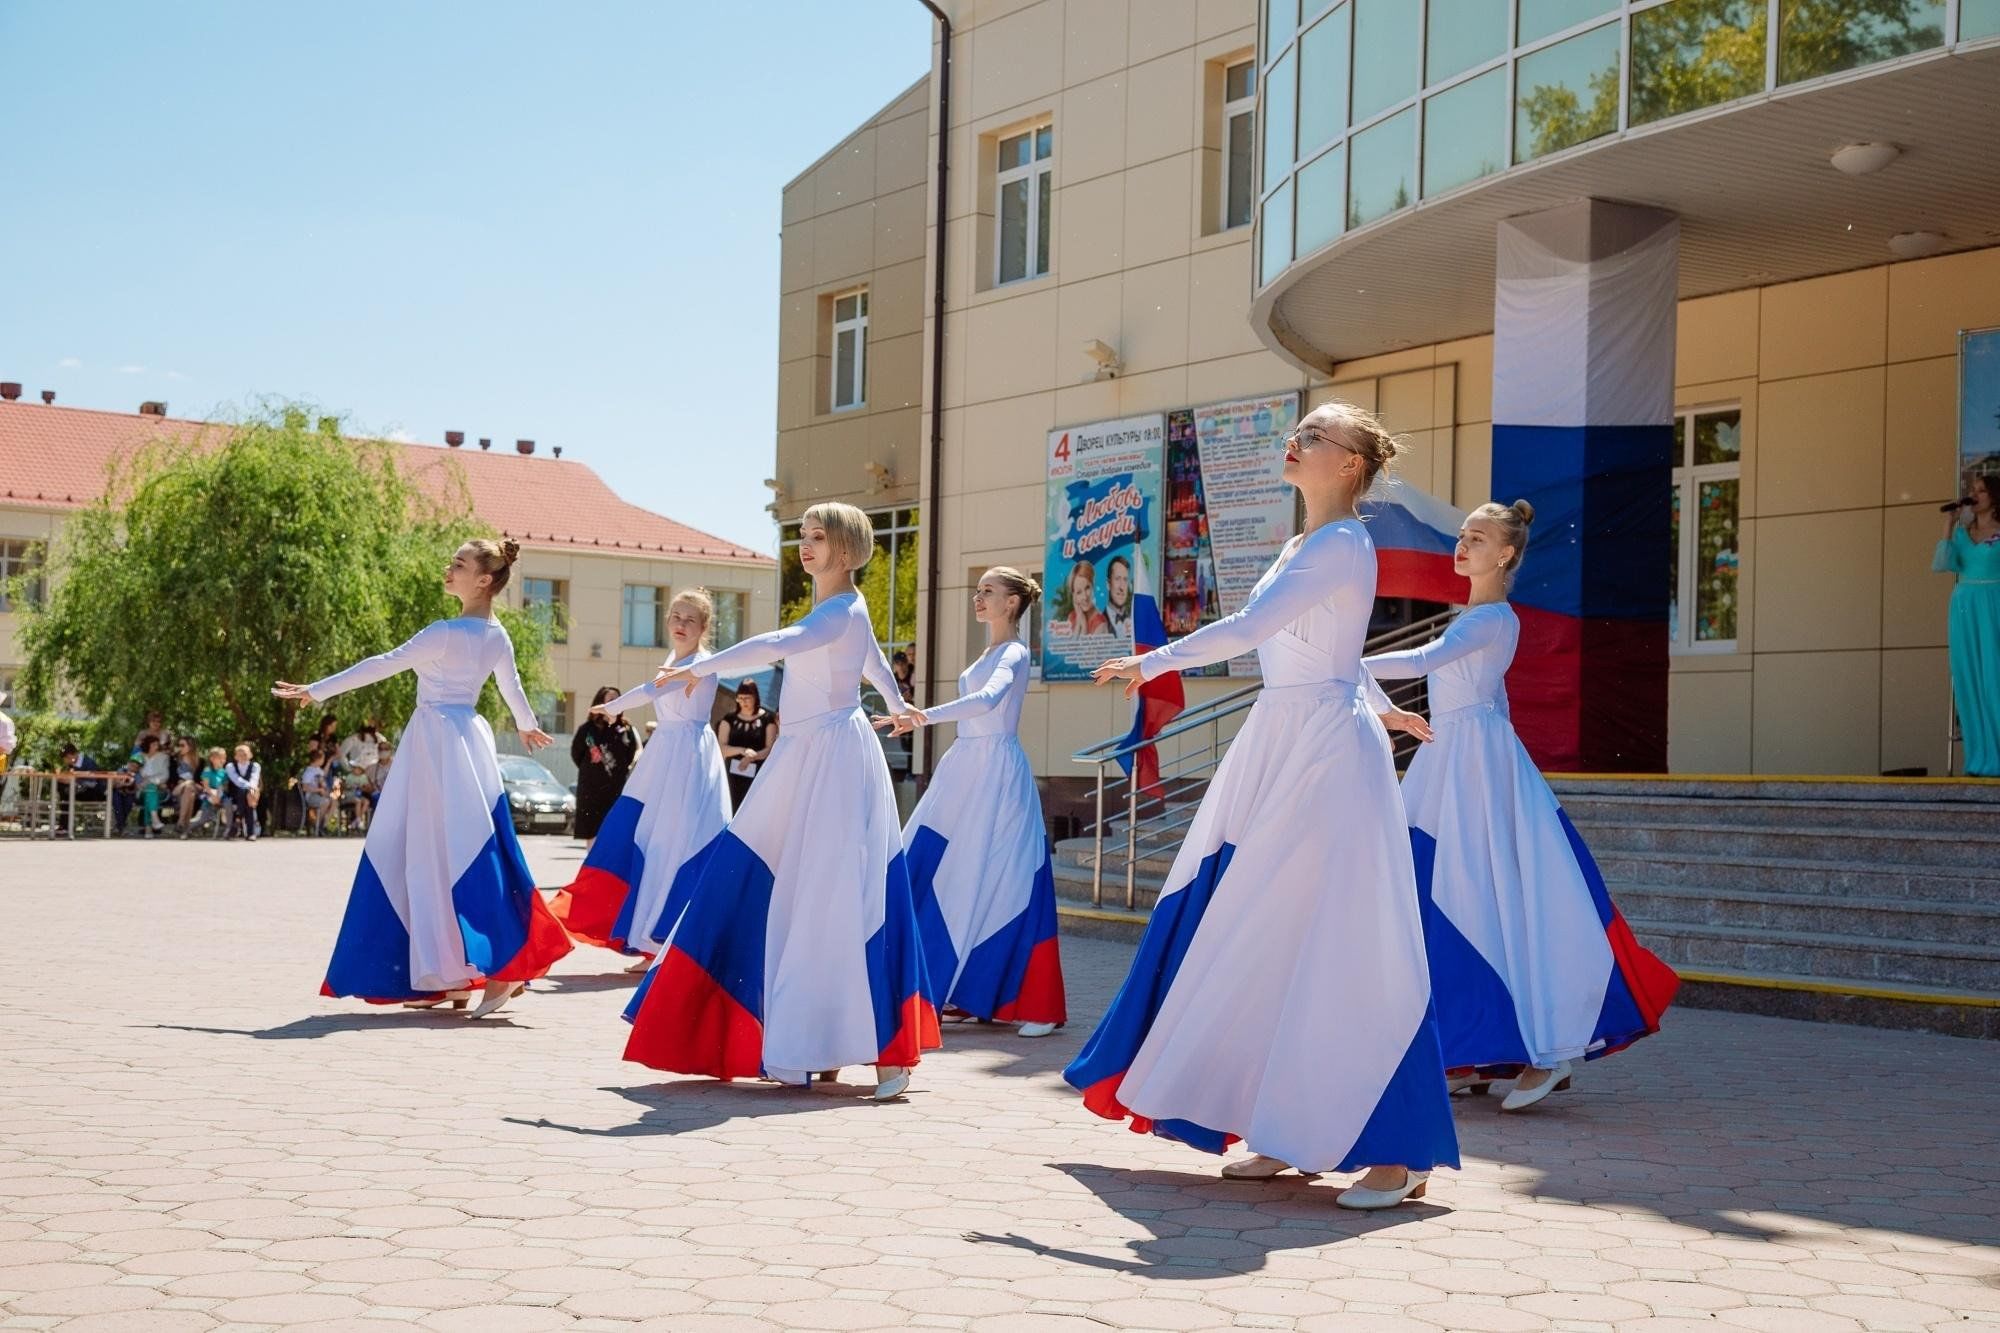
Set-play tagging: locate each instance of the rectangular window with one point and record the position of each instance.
(1566, 94)
(20, 559)
(1025, 187)
(548, 601)
(1324, 64)
(731, 610)
(1818, 37)
(1465, 132)
(1239, 115)
(1388, 41)
(1381, 168)
(1708, 453)
(1690, 54)
(643, 623)
(850, 351)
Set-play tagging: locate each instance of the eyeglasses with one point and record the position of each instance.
(1307, 439)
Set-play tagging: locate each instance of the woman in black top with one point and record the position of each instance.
(747, 736)
(603, 751)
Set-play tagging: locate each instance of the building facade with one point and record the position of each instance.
(600, 570)
(1447, 213)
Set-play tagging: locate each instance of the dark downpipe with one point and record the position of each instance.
(931, 505)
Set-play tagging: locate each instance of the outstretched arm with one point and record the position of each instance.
(507, 675)
(821, 627)
(635, 697)
(1013, 661)
(421, 648)
(1461, 638)
(1322, 563)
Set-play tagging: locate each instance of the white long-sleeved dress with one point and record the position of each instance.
(978, 853)
(443, 898)
(636, 879)
(1531, 964)
(1280, 994)
(798, 949)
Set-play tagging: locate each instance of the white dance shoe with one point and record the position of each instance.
(457, 999)
(1035, 1029)
(1259, 1167)
(496, 994)
(895, 1081)
(1412, 1188)
(1520, 1099)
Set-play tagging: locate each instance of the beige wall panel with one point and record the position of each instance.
(1819, 582)
(957, 345)
(1708, 722)
(1094, 308)
(895, 372)
(964, 274)
(1005, 518)
(795, 258)
(1932, 299)
(795, 391)
(844, 245)
(1252, 375)
(1389, 363)
(1819, 443)
(1920, 459)
(847, 176)
(963, 186)
(1156, 391)
(1472, 386)
(1217, 280)
(1016, 59)
(1715, 338)
(1407, 402)
(953, 482)
(1472, 465)
(1216, 17)
(836, 458)
(1090, 229)
(1156, 317)
(1817, 713)
(797, 205)
(1160, 110)
(1421, 466)
(1090, 130)
(1823, 324)
(797, 319)
(1360, 392)
(1156, 210)
(1160, 26)
(1005, 440)
(1916, 698)
(1007, 346)
(902, 153)
(896, 299)
(1093, 39)
(901, 224)
(1915, 601)
(1080, 404)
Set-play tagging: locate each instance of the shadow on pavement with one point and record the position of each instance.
(692, 1104)
(325, 1025)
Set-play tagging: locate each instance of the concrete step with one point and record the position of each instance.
(1937, 816)
(1813, 842)
(1828, 957)
(1910, 1008)
(1783, 874)
(1978, 791)
(1866, 918)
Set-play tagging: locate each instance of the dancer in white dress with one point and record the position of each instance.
(443, 899)
(643, 865)
(1532, 967)
(976, 845)
(1280, 994)
(798, 952)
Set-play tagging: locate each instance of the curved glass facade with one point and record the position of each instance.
(1372, 105)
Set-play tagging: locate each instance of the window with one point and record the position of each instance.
(547, 600)
(1695, 53)
(20, 559)
(850, 351)
(1382, 162)
(1025, 189)
(643, 624)
(1465, 132)
(1324, 64)
(1818, 37)
(1388, 39)
(1239, 116)
(1708, 453)
(731, 610)
(1566, 94)
(1462, 34)
(557, 712)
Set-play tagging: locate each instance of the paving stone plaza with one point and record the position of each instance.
(190, 1138)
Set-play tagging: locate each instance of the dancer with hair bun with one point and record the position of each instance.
(1280, 994)
(977, 848)
(636, 879)
(443, 900)
(1532, 967)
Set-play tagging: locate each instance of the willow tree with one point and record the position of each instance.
(273, 548)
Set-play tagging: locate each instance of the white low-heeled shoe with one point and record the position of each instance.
(496, 994)
(456, 998)
(1035, 1029)
(893, 1085)
(1354, 1196)
(1520, 1099)
(1259, 1167)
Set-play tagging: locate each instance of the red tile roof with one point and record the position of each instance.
(54, 457)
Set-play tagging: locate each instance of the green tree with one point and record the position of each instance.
(261, 550)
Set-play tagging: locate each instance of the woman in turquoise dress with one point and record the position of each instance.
(1971, 550)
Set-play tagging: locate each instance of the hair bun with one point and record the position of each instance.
(1525, 510)
(510, 550)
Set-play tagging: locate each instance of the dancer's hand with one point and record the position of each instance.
(1411, 723)
(675, 676)
(899, 724)
(599, 710)
(284, 689)
(535, 738)
(1120, 668)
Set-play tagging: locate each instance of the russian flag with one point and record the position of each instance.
(1414, 535)
(1160, 699)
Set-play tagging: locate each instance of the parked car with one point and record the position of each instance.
(537, 802)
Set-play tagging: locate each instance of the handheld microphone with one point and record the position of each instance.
(1962, 502)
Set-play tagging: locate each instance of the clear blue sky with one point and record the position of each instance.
(521, 220)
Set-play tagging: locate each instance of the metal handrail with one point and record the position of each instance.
(1188, 771)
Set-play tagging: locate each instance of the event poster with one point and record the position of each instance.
(1189, 596)
(1249, 511)
(1104, 540)
(1978, 403)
